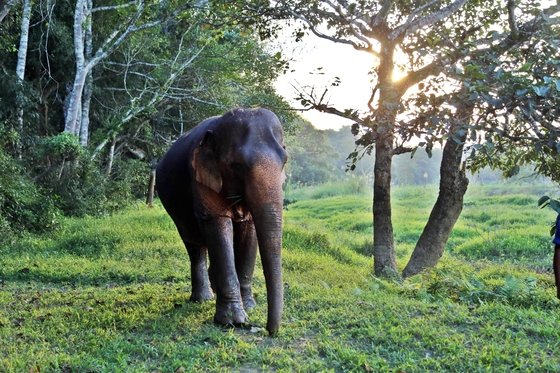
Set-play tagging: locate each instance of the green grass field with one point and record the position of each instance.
(111, 294)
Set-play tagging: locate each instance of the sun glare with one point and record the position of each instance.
(398, 74)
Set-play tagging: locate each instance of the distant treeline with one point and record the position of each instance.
(319, 156)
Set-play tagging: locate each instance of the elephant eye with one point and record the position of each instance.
(236, 166)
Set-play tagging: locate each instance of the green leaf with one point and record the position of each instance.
(526, 67)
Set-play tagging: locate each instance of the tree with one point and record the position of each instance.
(180, 62)
(434, 38)
(385, 30)
(78, 105)
(20, 68)
(519, 117)
(490, 89)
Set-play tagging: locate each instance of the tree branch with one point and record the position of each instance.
(383, 13)
(371, 98)
(402, 150)
(415, 25)
(5, 8)
(367, 47)
(511, 18)
(418, 10)
(524, 32)
(113, 7)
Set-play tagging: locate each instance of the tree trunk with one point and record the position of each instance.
(75, 103)
(20, 72)
(384, 258)
(61, 168)
(385, 264)
(86, 100)
(111, 158)
(73, 114)
(88, 88)
(449, 204)
(151, 188)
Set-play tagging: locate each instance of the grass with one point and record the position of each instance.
(111, 294)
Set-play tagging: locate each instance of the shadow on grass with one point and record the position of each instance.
(33, 274)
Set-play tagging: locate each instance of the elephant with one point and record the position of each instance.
(221, 183)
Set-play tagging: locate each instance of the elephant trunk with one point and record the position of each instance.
(266, 209)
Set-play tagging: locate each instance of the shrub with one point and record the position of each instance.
(64, 145)
(80, 186)
(129, 184)
(23, 206)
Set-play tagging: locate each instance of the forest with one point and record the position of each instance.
(412, 240)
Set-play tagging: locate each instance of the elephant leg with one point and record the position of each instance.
(245, 247)
(200, 281)
(229, 307)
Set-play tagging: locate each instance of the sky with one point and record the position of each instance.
(316, 62)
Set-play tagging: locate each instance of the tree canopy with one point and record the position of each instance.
(441, 48)
(106, 87)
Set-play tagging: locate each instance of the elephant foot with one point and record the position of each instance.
(249, 302)
(201, 296)
(230, 314)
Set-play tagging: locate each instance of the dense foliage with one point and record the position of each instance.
(150, 71)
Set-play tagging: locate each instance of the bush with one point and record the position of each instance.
(80, 186)
(129, 184)
(84, 189)
(64, 145)
(23, 206)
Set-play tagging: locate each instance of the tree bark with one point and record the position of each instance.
(111, 158)
(20, 72)
(385, 264)
(384, 258)
(151, 188)
(449, 204)
(88, 88)
(75, 101)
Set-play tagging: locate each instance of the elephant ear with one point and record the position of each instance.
(205, 164)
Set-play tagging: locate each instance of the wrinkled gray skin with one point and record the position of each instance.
(222, 185)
